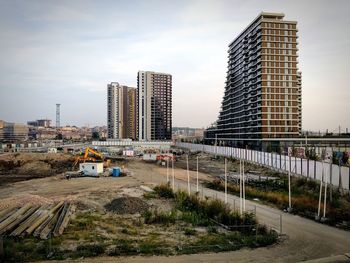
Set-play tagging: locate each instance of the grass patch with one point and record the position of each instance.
(164, 190)
(160, 217)
(190, 232)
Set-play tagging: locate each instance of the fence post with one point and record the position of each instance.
(301, 165)
(280, 224)
(280, 161)
(1, 247)
(331, 182)
(255, 211)
(315, 169)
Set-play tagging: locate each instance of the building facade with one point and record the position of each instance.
(262, 96)
(121, 111)
(154, 96)
(40, 123)
(132, 113)
(12, 132)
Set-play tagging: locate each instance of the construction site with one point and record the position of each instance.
(161, 204)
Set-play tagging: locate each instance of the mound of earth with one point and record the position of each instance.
(127, 205)
(36, 168)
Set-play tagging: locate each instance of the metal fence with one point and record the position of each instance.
(336, 175)
(271, 219)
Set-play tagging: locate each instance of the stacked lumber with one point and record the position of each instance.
(41, 221)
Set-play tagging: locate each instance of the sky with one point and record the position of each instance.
(68, 51)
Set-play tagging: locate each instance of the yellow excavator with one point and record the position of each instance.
(91, 155)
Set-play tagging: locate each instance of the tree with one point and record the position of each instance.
(95, 136)
(59, 136)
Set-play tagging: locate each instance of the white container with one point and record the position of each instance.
(129, 153)
(91, 169)
(149, 157)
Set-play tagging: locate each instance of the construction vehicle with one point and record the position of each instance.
(91, 155)
(164, 157)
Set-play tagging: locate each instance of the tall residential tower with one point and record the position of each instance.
(262, 97)
(121, 111)
(154, 96)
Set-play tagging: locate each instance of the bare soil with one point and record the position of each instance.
(127, 205)
(306, 239)
(25, 166)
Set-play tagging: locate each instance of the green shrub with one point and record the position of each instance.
(90, 250)
(159, 217)
(123, 247)
(164, 190)
(211, 209)
(190, 231)
(212, 230)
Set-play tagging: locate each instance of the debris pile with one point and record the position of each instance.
(127, 205)
(41, 221)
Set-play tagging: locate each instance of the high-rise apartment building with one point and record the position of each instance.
(299, 82)
(132, 113)
(154, 96)
(121, 111)
(262, 96)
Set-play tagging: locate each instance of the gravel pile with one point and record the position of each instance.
(127, 205)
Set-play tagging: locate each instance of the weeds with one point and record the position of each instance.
(190, 231)
(159, 217)
(164, 190)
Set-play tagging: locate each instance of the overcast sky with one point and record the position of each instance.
(67, 51)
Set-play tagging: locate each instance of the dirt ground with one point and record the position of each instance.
(208, 164)
(25, 166)
(305, 239)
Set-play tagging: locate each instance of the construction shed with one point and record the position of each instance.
(91, 169)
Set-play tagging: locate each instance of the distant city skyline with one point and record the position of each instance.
(65, 52)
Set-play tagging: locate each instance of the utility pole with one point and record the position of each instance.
(320, 196)
(243, 185)
(289, 187)
(197, 176)
(240, 186)
(188, 177)
(167, 169)
(225, 181)
(173, 172)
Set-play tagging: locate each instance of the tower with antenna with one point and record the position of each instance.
(58, 115)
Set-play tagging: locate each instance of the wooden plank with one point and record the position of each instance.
(26, 223)
(44, 218)
(60, 219)
(13, 217)
(7, 212)
(21, 220)
(48, 222)
(50, 226)
(66, 219)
